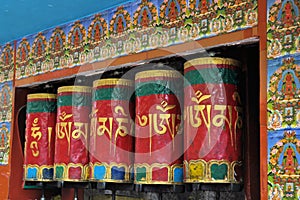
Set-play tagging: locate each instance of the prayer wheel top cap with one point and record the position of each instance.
(74, 88)
(41, 96)
(211, 61)
(113, 81)
(158, 73)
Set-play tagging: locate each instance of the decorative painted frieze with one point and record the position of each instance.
(131, 28)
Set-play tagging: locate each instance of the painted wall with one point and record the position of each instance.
(283, 99)
(6, 97)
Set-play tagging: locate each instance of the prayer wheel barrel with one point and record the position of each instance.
(40, 135)
(71, 160)
(159, 138)
(112, 129)
(213, 121)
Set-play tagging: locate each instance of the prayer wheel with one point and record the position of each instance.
(40, 135)
(212, 121)
(112, 129)
(71, 160)
(158, 132)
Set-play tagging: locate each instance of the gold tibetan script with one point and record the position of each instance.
(161, 123)
(36, 134)
(64, 129)
(102, 125)
(199, 113)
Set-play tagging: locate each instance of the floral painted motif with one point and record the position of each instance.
(172, 13)
(120, 22)
(77, 43)
(6, 63)
(4, 142)
(146, 15)
(284, 168)
(23, 53)
(5, 120)
(57, 41)
(283, 99)
(216, 17)
(76, 35)
(283, 28)
(283, 96)
(97, 30)
(38, 52)
(56, 45)
(39, 46)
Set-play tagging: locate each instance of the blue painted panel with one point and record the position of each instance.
(99, 172)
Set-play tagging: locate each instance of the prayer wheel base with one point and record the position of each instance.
(158, 173)
(71, 172)
(111, 172)
(213, 171)
(38, 173)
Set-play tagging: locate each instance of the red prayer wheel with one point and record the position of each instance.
(212, 121)
(72, 127)
(158, 142)
(40, 134)
(111, 135)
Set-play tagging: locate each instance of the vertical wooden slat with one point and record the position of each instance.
(262, 31)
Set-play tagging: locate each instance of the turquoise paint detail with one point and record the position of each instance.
(31, 173)
(141, 174)
(99, 172)
(219, 172)
(59, 172)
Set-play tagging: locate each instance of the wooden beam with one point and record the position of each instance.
(262, 33)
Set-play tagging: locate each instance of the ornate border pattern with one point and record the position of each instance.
(38, 173)
(131, 28)
(143, 173)
(213, 171)
(283, 29)
(112, 172)
(61, 171)
(283, 45)
(6, 63)
(6, 98)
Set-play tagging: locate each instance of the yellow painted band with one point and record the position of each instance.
(158, 73)
(41, 96)
(113, 81)
(74, 89)
(211, 61)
